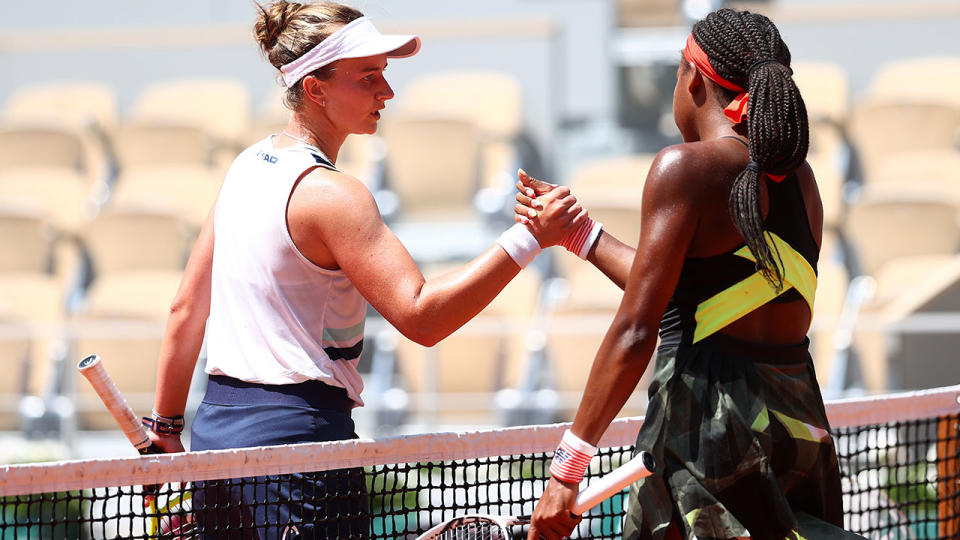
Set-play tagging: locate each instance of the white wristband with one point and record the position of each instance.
(520, 244)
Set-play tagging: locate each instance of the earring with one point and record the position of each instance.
(323, 102)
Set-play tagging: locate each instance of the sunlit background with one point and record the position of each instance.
(119, 118)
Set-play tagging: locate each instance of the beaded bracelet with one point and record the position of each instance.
(164, 425)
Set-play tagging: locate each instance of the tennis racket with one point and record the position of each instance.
(490, 527)
(172, 518)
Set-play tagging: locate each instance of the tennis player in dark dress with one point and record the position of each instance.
(725, 275)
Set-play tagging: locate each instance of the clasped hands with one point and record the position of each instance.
(550, 211)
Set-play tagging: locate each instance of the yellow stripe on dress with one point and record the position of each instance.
(745, 296)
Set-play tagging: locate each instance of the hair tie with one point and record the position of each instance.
(765, 61)
(753, 166)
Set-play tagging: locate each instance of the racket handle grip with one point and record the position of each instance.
(92, 369)
(641, 466)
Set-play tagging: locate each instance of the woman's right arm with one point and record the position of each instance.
(334, 221)
(183, 335)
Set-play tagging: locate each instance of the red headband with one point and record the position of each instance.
(737, 110)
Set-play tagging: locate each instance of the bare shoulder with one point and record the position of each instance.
(325, 186)
(682, 172)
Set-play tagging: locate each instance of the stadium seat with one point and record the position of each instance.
(61, 195)
(71, 103)
(825, 89)
(886, 224)
(830, 182)
(36, 145)
(220, 107)
(187, 191)
(454, 382)
(611, 189)
(493, 101)
(432, 166)
(881, 128)
(927, 170)
(917, 79)
(28, 241)
(140, 145)
(31, 340)
(135, 239)
(573, 336)
(832, 280)
(646, 13)
(916, 300)
(122, 321)
(14, 360)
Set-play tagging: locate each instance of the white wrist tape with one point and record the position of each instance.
(520, 244)
(581, 240)
(572, 458)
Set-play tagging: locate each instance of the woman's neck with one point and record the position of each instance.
(299, 131)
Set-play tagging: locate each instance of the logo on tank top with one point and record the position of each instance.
(267, 157)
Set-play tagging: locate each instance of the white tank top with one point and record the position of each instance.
(275, 317)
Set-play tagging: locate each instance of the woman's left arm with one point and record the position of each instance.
(669, 216)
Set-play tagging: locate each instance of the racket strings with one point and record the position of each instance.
(477, 530)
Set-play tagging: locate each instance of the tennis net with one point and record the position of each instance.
(899, 454)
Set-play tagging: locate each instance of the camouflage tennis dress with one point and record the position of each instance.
(738, 429)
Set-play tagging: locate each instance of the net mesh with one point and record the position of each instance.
(899, 455)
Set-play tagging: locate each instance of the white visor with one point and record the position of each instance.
(357, 39)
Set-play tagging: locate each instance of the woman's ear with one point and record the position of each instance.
(314, 89)
(695, 80)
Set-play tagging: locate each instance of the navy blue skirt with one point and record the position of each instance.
(237, 414)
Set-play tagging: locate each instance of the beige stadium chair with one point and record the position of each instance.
(61, 195)
(880, 128)
(573, 337)
(35, 145)
(616, 178)
(37, 302)
(830, 182)
(188, 191)
(832, 280)
(14, 360)
(923, 79)
(140, 145)
(26, 241)
(492, 101)
(454, 382)
(136, 239)
(907, 336)
(220, 107)
(888, 224)
(31, 339)
(825, 89)
(645, 13)
(72, 103)
(123, 322)
(611, 189)
(432, 166)
(935, 171)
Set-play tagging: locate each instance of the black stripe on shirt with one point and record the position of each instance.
(344, 353)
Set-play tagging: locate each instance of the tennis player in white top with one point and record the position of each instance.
(285, 265)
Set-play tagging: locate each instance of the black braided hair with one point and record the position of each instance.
(745, 48)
